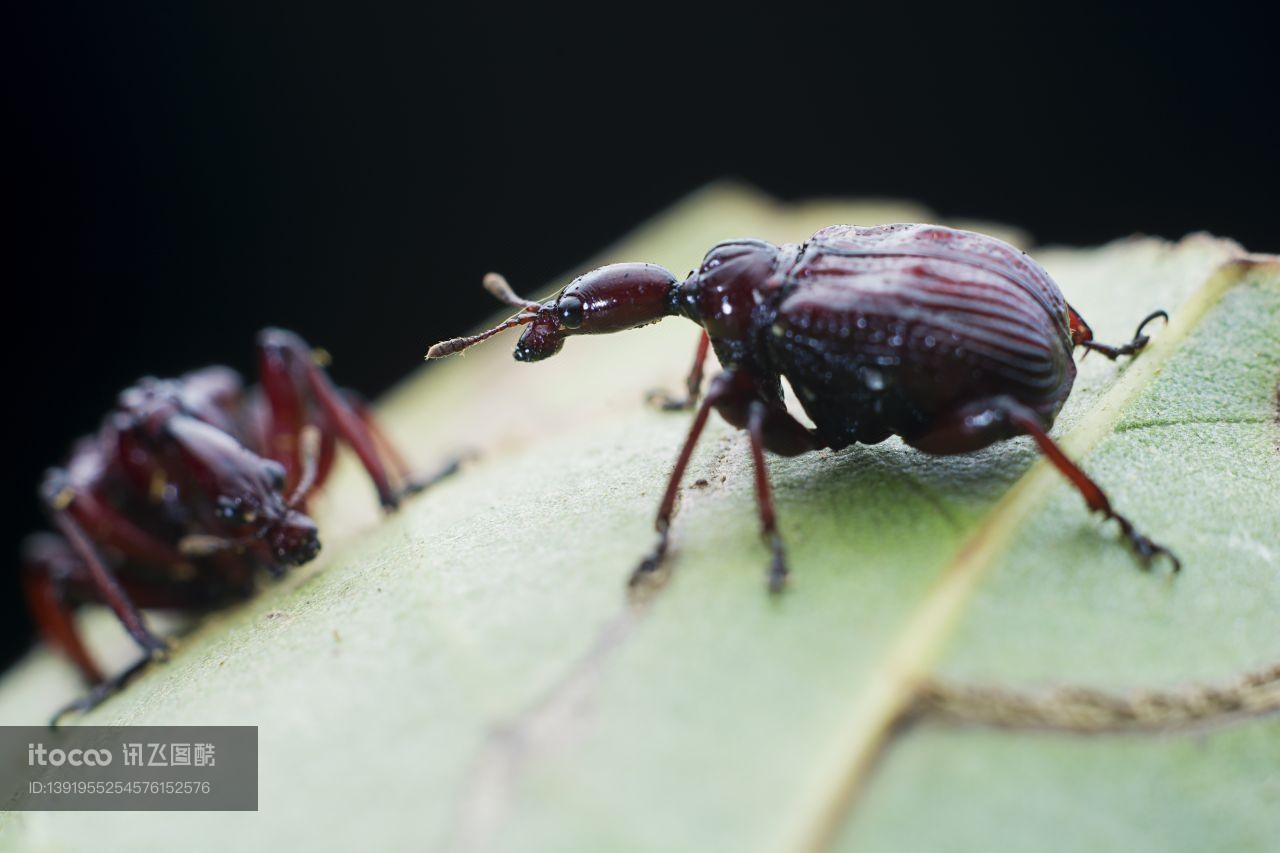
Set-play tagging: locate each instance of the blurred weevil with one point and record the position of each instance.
(950, 339)
(189, 489)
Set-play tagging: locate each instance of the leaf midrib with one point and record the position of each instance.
(892, 686)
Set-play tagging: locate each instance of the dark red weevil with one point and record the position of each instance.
(951, 339)
(192, 487)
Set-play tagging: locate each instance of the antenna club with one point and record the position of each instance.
(499, 289)
(446, 348)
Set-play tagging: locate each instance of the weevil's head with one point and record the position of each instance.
(544, 336)
(245, 494)
(609, 299)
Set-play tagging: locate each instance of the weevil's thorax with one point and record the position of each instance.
(733, 295)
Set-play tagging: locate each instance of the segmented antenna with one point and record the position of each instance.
(499, 289)
(453, 345)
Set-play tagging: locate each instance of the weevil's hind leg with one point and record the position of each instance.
(411, 483)
(1133, 347)
(692, 384)
(1026, 421)
(984, 423)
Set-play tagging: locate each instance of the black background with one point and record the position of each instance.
(181, 175)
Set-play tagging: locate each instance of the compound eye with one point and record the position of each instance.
(228, 509)
(570, 311)
(235, 510)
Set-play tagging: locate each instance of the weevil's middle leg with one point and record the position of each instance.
(1132, 347)
(295, 386)
(692, 384)
(737, 398)
(778, 570)
(106, 584)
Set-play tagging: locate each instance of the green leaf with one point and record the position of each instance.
(470, 672)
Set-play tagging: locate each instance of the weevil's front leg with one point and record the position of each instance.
(1134, 346)
(47, 557)
(692, 384)
(291, 379)
(60, 504)
(101, 691)
(54, 578)
(720, 387)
